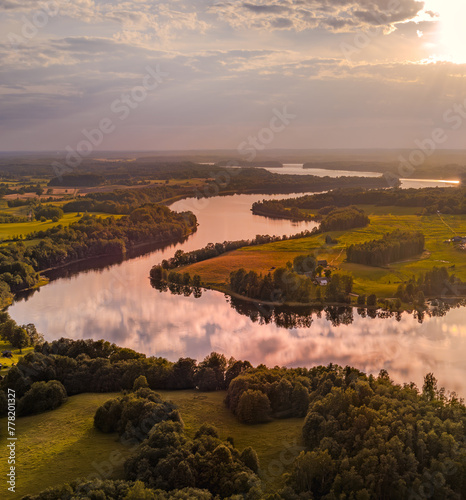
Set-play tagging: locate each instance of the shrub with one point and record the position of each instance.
(253, 407)
(134, 414)
(250, 459)
(42, 396)
(140, 383)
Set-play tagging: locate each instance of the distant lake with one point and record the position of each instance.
(297, 169)
(115, 301)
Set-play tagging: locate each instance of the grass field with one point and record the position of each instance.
(271, 440)
(59, 446)
(62, 445)
(9, 231)
(381, 281)
(7, 362)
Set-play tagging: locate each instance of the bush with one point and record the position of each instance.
(42, 396)
(170, 460)
(253, 407)
(250, 459)
(133, 415)
(140, 383)
(372, 300)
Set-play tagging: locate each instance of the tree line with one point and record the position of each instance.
(428, 200)
(392, 247)
(290, 284)
(99, 366)
(212, 250)
(19, 336)
(364, 436)
(436, 282)
(90, 236)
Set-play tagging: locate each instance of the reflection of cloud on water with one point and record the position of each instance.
(182, 326)
(178, 326)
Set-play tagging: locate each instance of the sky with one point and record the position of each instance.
(219, 74)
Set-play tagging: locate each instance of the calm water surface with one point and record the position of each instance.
(297, 169)
(117, 303)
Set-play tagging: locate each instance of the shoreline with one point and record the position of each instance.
(44, 280)
(323, 304)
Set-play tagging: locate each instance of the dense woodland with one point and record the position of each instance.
(89, 236)
(363, 436)
(292, 284)
(428, 200)
(330, 217)
(78, 180)
(341, 219)
(435, 283)
(123, 201)
(392, 247)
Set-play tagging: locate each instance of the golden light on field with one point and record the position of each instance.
(451, 43)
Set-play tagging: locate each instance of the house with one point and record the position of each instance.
(321, 281)
(7, 354)
(322, 263)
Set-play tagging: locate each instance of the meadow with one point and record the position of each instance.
(383, 281)
(62, 445)
(10, 231)
(8, 362)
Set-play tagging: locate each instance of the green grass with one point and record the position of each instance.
(381, 281)
(7, 362)
(270, 440)
(59, 446)
(9, 231)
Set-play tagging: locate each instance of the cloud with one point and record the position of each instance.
(299, 15)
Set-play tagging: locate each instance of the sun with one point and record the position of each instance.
(451, 43)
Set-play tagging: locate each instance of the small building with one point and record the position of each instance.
(321, 281)
(7, 354)
(322, 263)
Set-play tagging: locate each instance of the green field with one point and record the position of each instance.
(9, 231)
(271, 440)
(382, 281)
(62, 445)
(7, 362)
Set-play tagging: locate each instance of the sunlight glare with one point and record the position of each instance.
(452, 34)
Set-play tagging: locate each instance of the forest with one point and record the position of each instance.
(428, 200)
(89, 236)
(392, 247)
(340, 219)
(436, 282)
(292, 284)
(363, 435)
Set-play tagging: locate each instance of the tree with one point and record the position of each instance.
(42, 396)
(299, 400)
(429, 389)
(211, 372)
(140, 383)
(139, 492)
(20, 338)
(372, 300)
(250, 459)
(253, 407)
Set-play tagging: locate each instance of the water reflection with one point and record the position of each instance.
(297, 169)
(115, 301)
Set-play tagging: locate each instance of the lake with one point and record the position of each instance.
(116, 302)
